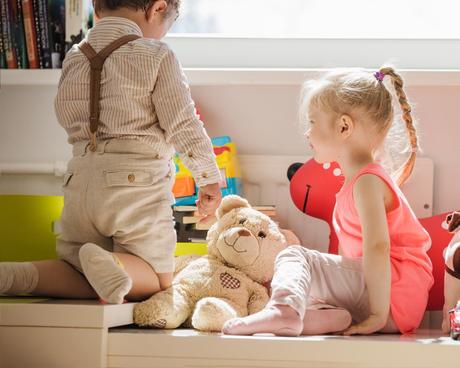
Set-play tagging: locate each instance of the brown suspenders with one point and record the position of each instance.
(97, 62)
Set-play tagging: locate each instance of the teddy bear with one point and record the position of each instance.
(452, 270)
(226, 283)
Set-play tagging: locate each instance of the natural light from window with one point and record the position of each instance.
(321, 18)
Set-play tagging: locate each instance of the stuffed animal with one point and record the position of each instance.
(226, 283)
(452, 270)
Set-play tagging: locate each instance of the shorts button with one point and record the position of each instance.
(131, 178)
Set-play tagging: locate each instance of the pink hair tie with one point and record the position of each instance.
(379, 76)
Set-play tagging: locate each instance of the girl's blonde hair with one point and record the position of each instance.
(349, 91)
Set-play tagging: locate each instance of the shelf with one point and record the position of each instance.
(232, 76)
(180, 348)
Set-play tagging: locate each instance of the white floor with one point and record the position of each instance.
(49, 333)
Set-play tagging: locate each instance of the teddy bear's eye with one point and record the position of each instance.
(261, 234)
(242, 221)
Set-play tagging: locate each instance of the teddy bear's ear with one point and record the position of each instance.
(229, 203)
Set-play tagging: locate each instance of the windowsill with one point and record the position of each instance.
(311, 53)
(237, 76)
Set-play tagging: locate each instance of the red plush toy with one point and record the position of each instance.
(313, 187)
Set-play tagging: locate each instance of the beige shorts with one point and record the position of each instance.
(119, 198)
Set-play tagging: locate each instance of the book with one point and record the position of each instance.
(37, 33)
(19, 40)
(45, 39)
(2, 50)
(206, 223)
(190, 219)
(30, 33)
(8, 47)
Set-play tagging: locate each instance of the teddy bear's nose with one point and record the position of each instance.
(244, 232)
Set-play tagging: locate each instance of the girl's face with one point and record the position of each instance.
(322, 135)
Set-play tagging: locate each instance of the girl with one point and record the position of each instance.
(383, 275)
(125, 105)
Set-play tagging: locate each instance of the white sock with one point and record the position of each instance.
(105, 273)
(18, 277)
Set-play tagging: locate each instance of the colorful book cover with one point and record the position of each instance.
(31, 33)
(19, 40)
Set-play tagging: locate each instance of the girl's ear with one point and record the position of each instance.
(158, 8)
(345, 126)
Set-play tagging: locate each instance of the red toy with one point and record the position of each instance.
(313, 187)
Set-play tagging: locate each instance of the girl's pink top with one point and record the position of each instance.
(411, 269)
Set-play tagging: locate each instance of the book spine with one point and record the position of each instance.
(31, 34)
(7, 35)
(2, 49)
(38, 33)
(44, 33)
(19, 39)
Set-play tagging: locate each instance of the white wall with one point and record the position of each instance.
(261, 119)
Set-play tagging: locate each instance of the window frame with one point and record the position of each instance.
(314, 53)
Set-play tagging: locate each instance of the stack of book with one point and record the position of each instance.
(36, 34)
(193, 227)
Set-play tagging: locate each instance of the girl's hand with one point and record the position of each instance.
(209, 197)
(372, 324)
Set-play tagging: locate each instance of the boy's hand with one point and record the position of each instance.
(209, 197)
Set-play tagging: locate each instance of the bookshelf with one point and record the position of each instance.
(235, 76)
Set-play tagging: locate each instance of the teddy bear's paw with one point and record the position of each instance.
(160, 311)
(145, 315)
(211, 313)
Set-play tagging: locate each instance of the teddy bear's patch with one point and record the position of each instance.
(228, 281)
(160, 323)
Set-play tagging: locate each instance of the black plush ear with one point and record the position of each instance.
(229, 203)
(453, 220)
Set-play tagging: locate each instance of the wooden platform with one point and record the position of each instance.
(51, 333)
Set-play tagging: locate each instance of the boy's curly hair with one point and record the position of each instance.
(100, 5)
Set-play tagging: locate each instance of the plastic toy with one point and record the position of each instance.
(185, 190)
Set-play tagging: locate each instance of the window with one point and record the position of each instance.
(411, 34)
(321, 18)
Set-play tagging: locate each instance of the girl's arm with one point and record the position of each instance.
(370, 195)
